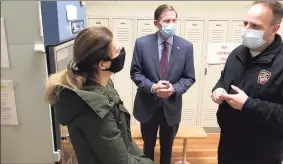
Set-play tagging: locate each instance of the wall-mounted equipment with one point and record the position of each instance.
(62, 20)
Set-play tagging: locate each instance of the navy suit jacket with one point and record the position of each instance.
(145, 71)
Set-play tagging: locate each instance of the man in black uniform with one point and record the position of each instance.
(250, 91)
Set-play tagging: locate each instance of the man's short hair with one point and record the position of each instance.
(275, 6)
(161, 8)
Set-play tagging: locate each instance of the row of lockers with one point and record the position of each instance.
(198, 109)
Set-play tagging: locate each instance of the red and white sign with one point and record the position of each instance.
(217, 53)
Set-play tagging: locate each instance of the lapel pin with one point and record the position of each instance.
(178, 48)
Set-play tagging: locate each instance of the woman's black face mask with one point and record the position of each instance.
(117, 64)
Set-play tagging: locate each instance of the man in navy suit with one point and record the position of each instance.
(163, 70)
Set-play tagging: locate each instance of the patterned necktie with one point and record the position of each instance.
(164, 60)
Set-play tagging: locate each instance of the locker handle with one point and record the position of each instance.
(205, 71)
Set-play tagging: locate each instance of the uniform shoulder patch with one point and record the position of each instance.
(263, 76)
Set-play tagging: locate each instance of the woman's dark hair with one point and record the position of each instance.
(91, 44)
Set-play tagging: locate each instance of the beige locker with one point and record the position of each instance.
(217, 33)
(98, 22)
(236, 31)
(145, 27)
(123, 32)
(194, 32)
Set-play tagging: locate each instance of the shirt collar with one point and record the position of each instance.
(160, 39)
(254, 53)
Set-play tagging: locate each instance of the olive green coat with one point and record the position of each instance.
(97, 137)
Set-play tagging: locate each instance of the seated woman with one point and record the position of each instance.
(87, 103)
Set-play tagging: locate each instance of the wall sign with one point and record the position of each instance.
(217, 53)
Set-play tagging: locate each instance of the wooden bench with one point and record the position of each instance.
(184, 132)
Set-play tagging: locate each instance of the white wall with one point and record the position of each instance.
(31, 140)
(200, 22)
(197, 9)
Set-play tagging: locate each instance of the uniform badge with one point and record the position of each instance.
(263, 76)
